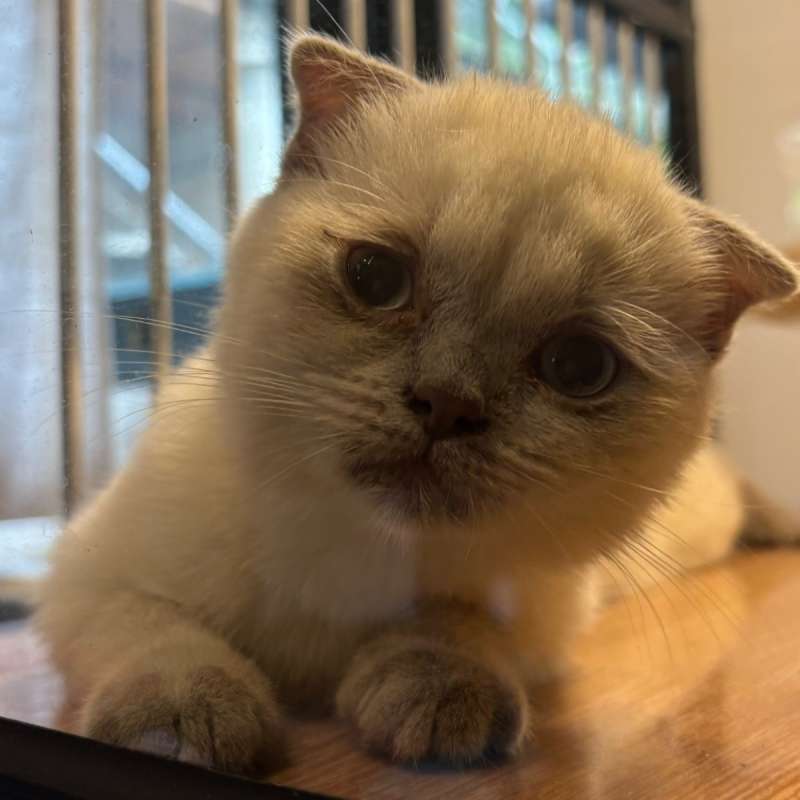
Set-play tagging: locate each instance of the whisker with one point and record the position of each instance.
(675, 577)
(688, 574)
(676, 567)
(205, 333)
(623, 553)
(666, 322)
(298, 462)
(637, 592)
(343, 184)
(636, 554)
(621, 595)
(633, 484)
(347, 165)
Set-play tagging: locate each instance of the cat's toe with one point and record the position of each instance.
(427, 703)
(167, 743)
(204, 717)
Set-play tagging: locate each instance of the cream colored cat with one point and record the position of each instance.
(465, 349)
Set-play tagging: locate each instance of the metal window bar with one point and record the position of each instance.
(652, 79)
(447, 44)
(625, 44)
(493, 36)
(355, 22)
(68, 54)
(229, 56)
(403, 38)
(297, 15)
(530, 45)
(95, 440)
(564, 12)
(597, 46)
(158, 158)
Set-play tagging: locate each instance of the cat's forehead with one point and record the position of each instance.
(508, 141)
(516, 196)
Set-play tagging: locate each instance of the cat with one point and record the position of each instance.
(465, 349)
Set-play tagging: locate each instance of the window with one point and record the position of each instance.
(590, 52)
(195, 204)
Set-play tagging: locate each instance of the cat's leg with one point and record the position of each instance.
(440, 688)
(145, 675)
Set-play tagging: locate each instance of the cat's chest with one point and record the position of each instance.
(324, 584)
(334, 566)
(330, 566)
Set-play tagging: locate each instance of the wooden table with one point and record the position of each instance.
(690, 692)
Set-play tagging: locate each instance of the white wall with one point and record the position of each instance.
(749, 93)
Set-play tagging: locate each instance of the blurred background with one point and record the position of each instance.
(132, 131)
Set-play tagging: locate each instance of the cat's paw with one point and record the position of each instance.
(202, 716)
(419, 702)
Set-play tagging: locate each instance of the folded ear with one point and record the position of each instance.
(330, 81)
(741, 270)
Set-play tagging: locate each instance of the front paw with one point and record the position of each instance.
(203, 716)
(420, 701)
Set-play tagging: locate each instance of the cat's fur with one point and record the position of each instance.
(242, 562)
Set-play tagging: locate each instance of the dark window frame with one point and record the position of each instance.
(38, 762)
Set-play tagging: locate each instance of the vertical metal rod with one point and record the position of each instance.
(403, 34)
(530, 46)
(158, 155)
(68, 104)
(652, 80)
(597, 45)
(229, 56)
(625, 45)
(297, 13)
(355, 22)
(97, 355)
(564, 11)
(447, 39)
(493, 36)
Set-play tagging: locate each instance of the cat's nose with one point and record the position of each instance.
(446, 414)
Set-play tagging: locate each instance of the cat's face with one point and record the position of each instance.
(465, 300)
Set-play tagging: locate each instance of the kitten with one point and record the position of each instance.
(464, 347)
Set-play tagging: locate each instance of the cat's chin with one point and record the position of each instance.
(421, 507)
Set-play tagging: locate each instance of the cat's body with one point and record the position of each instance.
(296, 589)
(387, 506)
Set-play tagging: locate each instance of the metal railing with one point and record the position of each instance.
(660, 22)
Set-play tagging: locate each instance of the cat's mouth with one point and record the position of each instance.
(433, 483)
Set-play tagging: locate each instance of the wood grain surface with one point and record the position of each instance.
(692, 691)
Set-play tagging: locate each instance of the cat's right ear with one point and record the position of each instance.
(330, 81)
(740, 270)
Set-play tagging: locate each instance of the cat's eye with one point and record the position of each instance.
(379, 277)
(577, 365)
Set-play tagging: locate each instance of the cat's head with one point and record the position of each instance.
(463, 299)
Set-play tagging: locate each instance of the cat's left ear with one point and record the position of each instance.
(331, 82)
(743, 270)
